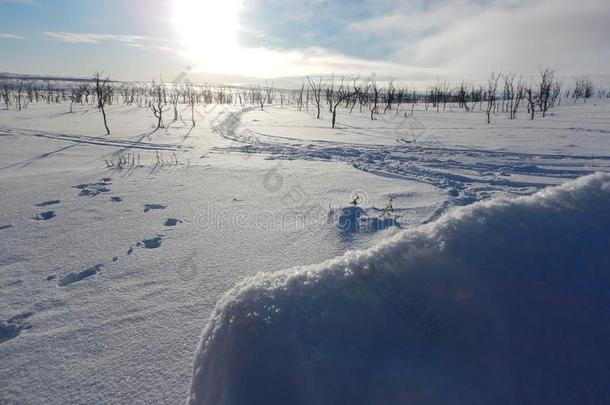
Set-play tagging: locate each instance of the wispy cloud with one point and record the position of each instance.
(11, 36)
(81, 38)
(134, 41)
(19, 1)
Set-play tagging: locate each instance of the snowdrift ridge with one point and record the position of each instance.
(502, 302)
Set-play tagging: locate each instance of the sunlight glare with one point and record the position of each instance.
(207, 29)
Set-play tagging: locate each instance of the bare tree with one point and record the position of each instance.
(518, 96)
(102, 91)
(461, 96)
(532, 100)
(300, 98)
(358, 93)
(492, 88)
(264, 95)
(545, 86)
(74, 96)
(374, 105)
(19, 95)
(339, 96)
(174, 98)
(6, 95)
(389, 96)
(191, 99)
(316, 89)
(512, 94)
(158, 104)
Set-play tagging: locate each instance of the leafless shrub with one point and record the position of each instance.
(583, 88)
(103, 93)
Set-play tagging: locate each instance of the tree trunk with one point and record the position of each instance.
(105, 123)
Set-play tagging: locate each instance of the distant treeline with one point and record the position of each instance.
(504, 93)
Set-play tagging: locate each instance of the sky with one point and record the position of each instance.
(415, 40)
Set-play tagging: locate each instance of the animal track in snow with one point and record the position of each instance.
(11, 328)
(172, 222)
(152, 243)
(80, 276)
(149, 207)
(47, 203)
(116, 199)
(45, 216)
(3, 227)
(93, 189)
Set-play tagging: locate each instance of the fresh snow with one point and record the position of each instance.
(109, 274)
(502, 302)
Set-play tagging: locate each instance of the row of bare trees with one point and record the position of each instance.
(503, 93)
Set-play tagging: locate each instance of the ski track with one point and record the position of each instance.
(92, 140)
(468, 174)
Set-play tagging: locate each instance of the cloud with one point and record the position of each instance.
(451, 38)
(19, 1)
(414, 40)
(263, 62)
(289, 47)
(11, 36)
(134, 41)
(80, 38)
(466, 37)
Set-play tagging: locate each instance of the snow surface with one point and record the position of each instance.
(108, 275)
(500, 302)
(124, 325)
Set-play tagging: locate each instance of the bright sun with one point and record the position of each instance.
(208, 30)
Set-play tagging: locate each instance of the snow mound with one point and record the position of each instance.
(500, 302)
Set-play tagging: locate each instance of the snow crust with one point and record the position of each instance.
(503, 301)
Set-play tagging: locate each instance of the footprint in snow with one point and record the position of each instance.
(47, 203)
(93, 189)
(3, 227)
(45, 216)
(172, 222)
(130, 250)
(80, 276)
(149, 207)
(152, 243)
(116, 199)
(11, 328)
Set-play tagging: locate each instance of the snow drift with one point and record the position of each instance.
(500, 302)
